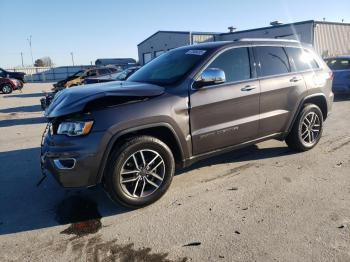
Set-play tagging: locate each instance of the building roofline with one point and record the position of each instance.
(180, 32)
(245, 31)
(269, 27)
(331, 23)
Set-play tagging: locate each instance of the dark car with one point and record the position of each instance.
(121, 76)
(16, 75)
(341, 70)
(7, 85)
(187, 104)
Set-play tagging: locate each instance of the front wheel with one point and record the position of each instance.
(6, 89)
(307, 129)
(139, 172)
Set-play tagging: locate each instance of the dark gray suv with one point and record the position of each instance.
(188, 104)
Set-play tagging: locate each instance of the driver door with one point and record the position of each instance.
(226, 114)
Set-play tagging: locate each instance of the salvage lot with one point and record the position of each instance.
(262, 203)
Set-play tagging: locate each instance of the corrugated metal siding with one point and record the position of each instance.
(332, 39)
(302, 32)
(196, 38)
(162, 41)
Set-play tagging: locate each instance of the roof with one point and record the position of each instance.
(269, 27)
(180, 32)
(248, 30)
(115, 60)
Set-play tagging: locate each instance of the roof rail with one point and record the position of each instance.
(266, 39)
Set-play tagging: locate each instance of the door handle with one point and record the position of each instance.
(295, 79)
(248, 88)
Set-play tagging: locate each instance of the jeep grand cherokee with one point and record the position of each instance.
(188, 104)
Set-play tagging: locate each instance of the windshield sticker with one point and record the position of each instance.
(196, 52)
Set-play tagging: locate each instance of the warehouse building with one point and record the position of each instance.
(328, 38)
(163, 41)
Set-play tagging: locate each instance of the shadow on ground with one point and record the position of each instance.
(21, 95)
(22, 109)
(250, 153)
(340, 98)
(22, 121)
(26, 206)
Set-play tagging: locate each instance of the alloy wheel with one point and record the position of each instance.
(6, 89)
(310, 128)
(142, 173)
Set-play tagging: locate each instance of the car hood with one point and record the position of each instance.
(74, 100)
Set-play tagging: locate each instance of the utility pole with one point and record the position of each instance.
(71, 53)
(22, 59)
(30, 46)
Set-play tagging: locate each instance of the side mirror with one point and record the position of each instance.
(211, 76)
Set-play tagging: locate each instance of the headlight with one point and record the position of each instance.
(76, 128)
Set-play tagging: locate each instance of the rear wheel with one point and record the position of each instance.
(6, 89)
(307, 129)
(139, 172)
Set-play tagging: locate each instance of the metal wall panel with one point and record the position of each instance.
(162, 41)
(332, 39)
(301, 32)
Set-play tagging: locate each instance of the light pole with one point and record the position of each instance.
(22, 59)
(30, 46)
(71, 53)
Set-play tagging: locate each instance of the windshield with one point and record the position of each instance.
(170, 67)
(123, 75)
(79, 73)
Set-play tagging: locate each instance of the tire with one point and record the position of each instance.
(307, 129)
(123, 175)
(6, 89)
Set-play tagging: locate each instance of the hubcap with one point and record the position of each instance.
(142, 173)
(6, 89)
(311, 128)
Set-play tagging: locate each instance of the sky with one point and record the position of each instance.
(113, 28)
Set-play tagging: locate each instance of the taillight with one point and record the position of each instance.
(330, 75)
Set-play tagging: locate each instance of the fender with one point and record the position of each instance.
(116, 136)
(300, 106)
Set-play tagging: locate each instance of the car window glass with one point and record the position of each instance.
(91, 73)
(123, 75)
(339, 63)
(272, 60)
(103, 71)
(235, 64)
(302, 59)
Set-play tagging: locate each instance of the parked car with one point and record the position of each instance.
(341, 69)
(80, 76)
(121, 76)
(91, 73)
(7, 85)
(187, 104)
(14, 75)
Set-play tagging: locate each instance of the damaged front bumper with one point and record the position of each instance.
(73, 161)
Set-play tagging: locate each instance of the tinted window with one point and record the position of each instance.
(273, 60)
(339, 63)
(103, 71)
(301, 59)
(91, 73)
(170, 67)
(235, 64)
(112, 69)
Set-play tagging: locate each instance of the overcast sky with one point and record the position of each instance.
(101, 29)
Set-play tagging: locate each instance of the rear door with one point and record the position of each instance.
(226, 114)
(280, 89)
